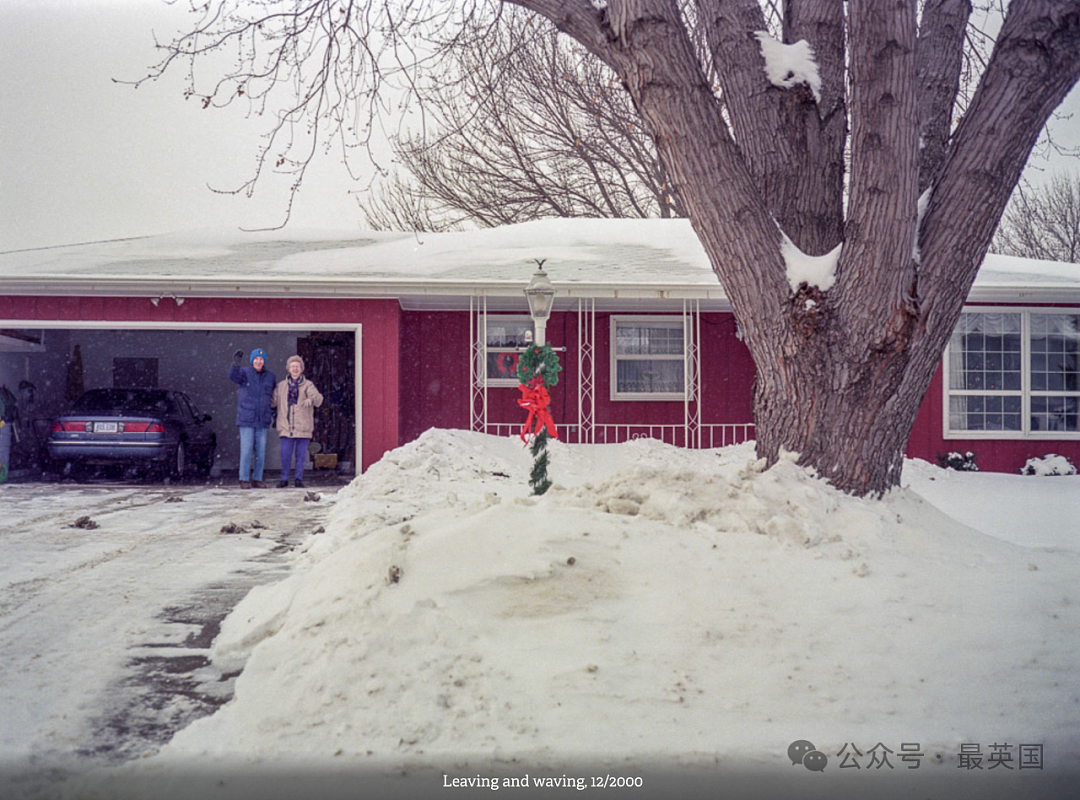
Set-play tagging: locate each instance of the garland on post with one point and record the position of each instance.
(538, 370)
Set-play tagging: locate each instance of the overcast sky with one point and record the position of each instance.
(83, 158)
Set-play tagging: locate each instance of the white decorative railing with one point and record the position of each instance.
(711, 435)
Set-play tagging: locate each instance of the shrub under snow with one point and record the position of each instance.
(1050, 464)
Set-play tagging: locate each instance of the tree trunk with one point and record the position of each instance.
(841, 372)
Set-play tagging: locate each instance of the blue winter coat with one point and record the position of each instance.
(253, 397)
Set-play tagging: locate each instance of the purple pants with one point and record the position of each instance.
(288, 448)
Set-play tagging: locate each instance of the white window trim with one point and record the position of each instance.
(616, 395)
(496, 383)
(1025, 392)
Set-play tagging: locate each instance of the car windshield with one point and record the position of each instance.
(136, 402)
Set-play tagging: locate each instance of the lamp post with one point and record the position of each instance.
(541, 296)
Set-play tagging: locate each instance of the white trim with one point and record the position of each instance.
(285, 286)
(178, 325)
(358, 397)
(676, 321)
(357, 328)
(713, 435)
(692, 372)
(586, 361)
(477, 358)
(1025, 392)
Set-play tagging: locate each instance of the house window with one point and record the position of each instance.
(505, 337)
(1014, 374)
(647, 358)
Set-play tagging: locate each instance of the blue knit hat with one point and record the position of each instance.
(258, 352)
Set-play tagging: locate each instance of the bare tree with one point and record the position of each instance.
(528, 126)
(1043, 222)
(844, 360)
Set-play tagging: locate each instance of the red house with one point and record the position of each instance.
(404, 332)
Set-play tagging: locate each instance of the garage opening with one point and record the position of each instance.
(45, 370)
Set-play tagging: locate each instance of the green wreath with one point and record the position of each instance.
(539, 360)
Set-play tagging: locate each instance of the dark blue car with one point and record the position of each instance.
(152, 427)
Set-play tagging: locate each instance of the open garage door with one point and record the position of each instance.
(47, 368)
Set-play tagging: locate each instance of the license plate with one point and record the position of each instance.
(105, 427)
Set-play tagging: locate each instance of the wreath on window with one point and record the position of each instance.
(539, 363)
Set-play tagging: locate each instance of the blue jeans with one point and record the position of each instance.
(289, 447)
(252, 438)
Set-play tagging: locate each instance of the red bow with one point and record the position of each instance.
(535, 399)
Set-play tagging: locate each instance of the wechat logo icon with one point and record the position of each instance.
(803, 752)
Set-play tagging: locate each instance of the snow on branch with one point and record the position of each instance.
(819, 271)
(788, 65)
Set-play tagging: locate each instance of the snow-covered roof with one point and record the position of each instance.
(635, 260)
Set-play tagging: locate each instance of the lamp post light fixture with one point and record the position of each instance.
(541, 296)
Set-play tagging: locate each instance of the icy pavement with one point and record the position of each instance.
(109, 600)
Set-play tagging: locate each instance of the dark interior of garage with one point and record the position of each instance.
(44, 370)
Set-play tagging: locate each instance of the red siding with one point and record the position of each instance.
(416, 369)
(991, 455)
(435, 376)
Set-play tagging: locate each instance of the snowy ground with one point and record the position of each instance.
(105, 628)
(678, 616)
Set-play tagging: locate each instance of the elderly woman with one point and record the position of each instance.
(295, 399)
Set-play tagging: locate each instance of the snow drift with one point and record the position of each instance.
(658, 607)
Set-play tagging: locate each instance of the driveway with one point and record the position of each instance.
(110, 596)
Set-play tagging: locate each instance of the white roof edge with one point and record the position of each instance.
(126, 286)
(410, 290)
(1040, 294)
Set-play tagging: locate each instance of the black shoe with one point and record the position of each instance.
(282, 484)
(299, 484)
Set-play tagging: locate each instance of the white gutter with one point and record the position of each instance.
(306, 287)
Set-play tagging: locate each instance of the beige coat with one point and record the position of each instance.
(298, 421)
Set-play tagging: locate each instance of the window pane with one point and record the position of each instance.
(649, 377)
(1054, 413)
(644, 338)
(507, 333)
(983, 350)
(984, 413)
(1055, 348)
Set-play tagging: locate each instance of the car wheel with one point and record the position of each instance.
(178, 463)
(206, 464)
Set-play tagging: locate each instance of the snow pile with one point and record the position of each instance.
(1050, 464)
(788, 65)
(656, 606)
(819, 271)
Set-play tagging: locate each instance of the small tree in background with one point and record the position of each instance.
(523, 125)
(1043, 222)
